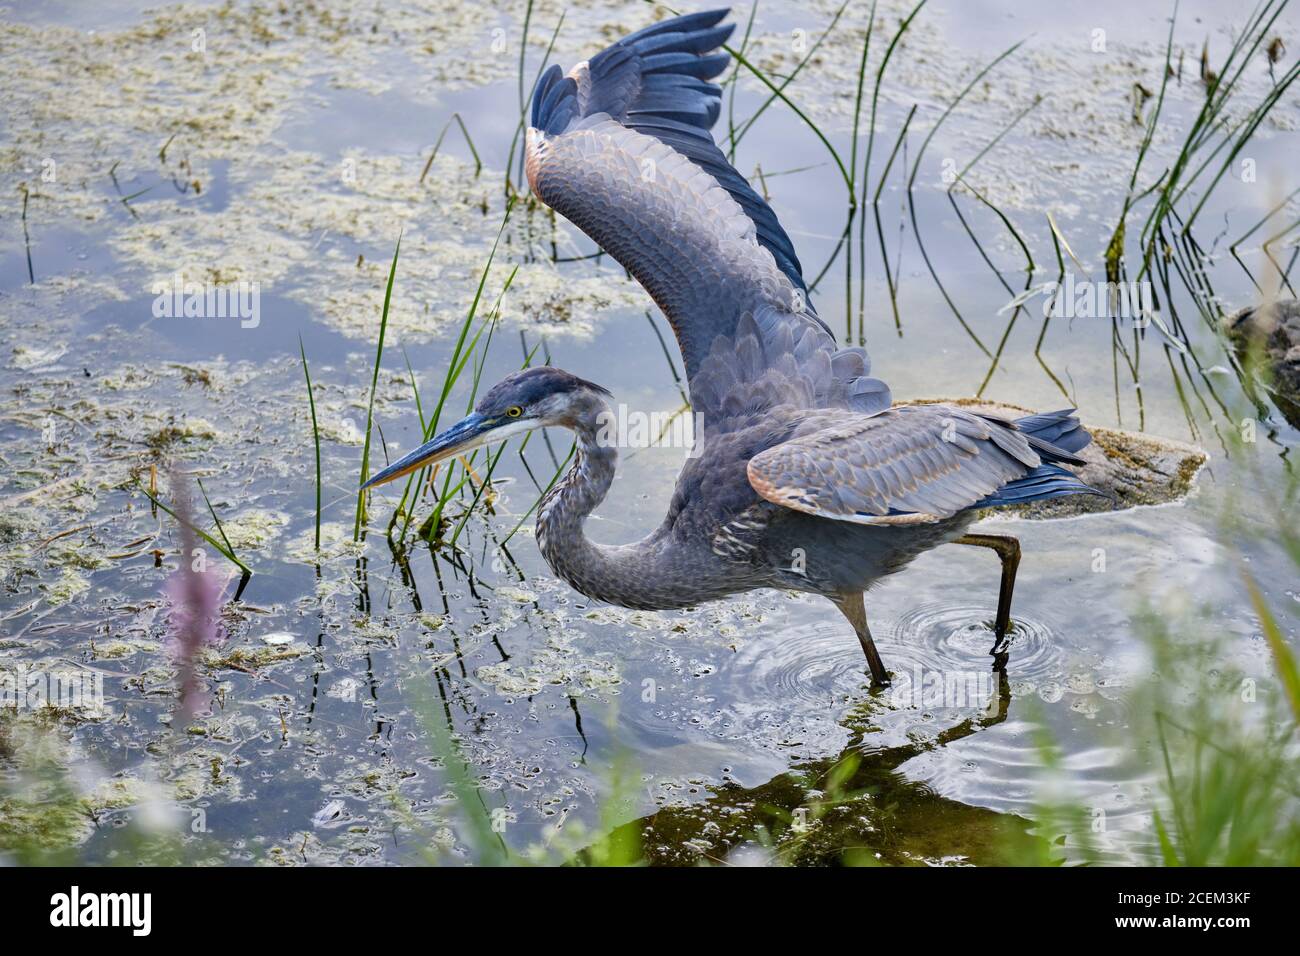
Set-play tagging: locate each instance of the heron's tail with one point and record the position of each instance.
(1056, 436)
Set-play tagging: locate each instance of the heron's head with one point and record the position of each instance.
(537, 397)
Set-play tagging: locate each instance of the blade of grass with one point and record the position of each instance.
(523, 110)
(551, 484)
(221, 549)
(1283, 659)
(790, 78)
(857, 98)
(213, 511)
(1115, 249)
(374, 386)
(455, 118)
(315, 433)
(733, 81)
(779, 93)
(460, 355)
(875, 94)
(911, 204)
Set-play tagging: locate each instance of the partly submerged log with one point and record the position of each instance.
(1130, 468)
(1273, 329)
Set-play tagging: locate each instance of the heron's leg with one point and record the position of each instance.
(852, 607)
(1008, 550)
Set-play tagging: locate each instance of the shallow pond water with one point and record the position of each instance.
(287, 145)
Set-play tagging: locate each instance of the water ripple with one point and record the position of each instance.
(958, 637)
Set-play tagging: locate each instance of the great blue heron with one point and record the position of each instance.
(806, 478)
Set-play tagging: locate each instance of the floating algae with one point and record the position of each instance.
(254, 528)
(69, 585)
(142, 105)
(560, 662)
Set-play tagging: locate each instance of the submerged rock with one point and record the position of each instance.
(1274, 329)
(1130, 468)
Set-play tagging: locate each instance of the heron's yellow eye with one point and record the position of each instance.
(514, 411)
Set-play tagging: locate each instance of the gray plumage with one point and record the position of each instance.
(806, 477)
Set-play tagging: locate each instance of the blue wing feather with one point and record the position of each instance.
(1061, 429)
(1045, 481)
(686, 23)
(1056, 436)
(655, 82)
(550, 88)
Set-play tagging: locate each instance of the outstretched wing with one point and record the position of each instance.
(913, 463)
(621, 147)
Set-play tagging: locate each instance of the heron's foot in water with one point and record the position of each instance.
(876, 666)
(1007, 549)
(852, 607)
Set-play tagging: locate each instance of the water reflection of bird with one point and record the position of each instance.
(806, 477)
(903, 822)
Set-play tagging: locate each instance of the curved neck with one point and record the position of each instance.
(659, 572)
(589, 567)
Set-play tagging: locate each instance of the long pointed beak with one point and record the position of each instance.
(469, 432)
